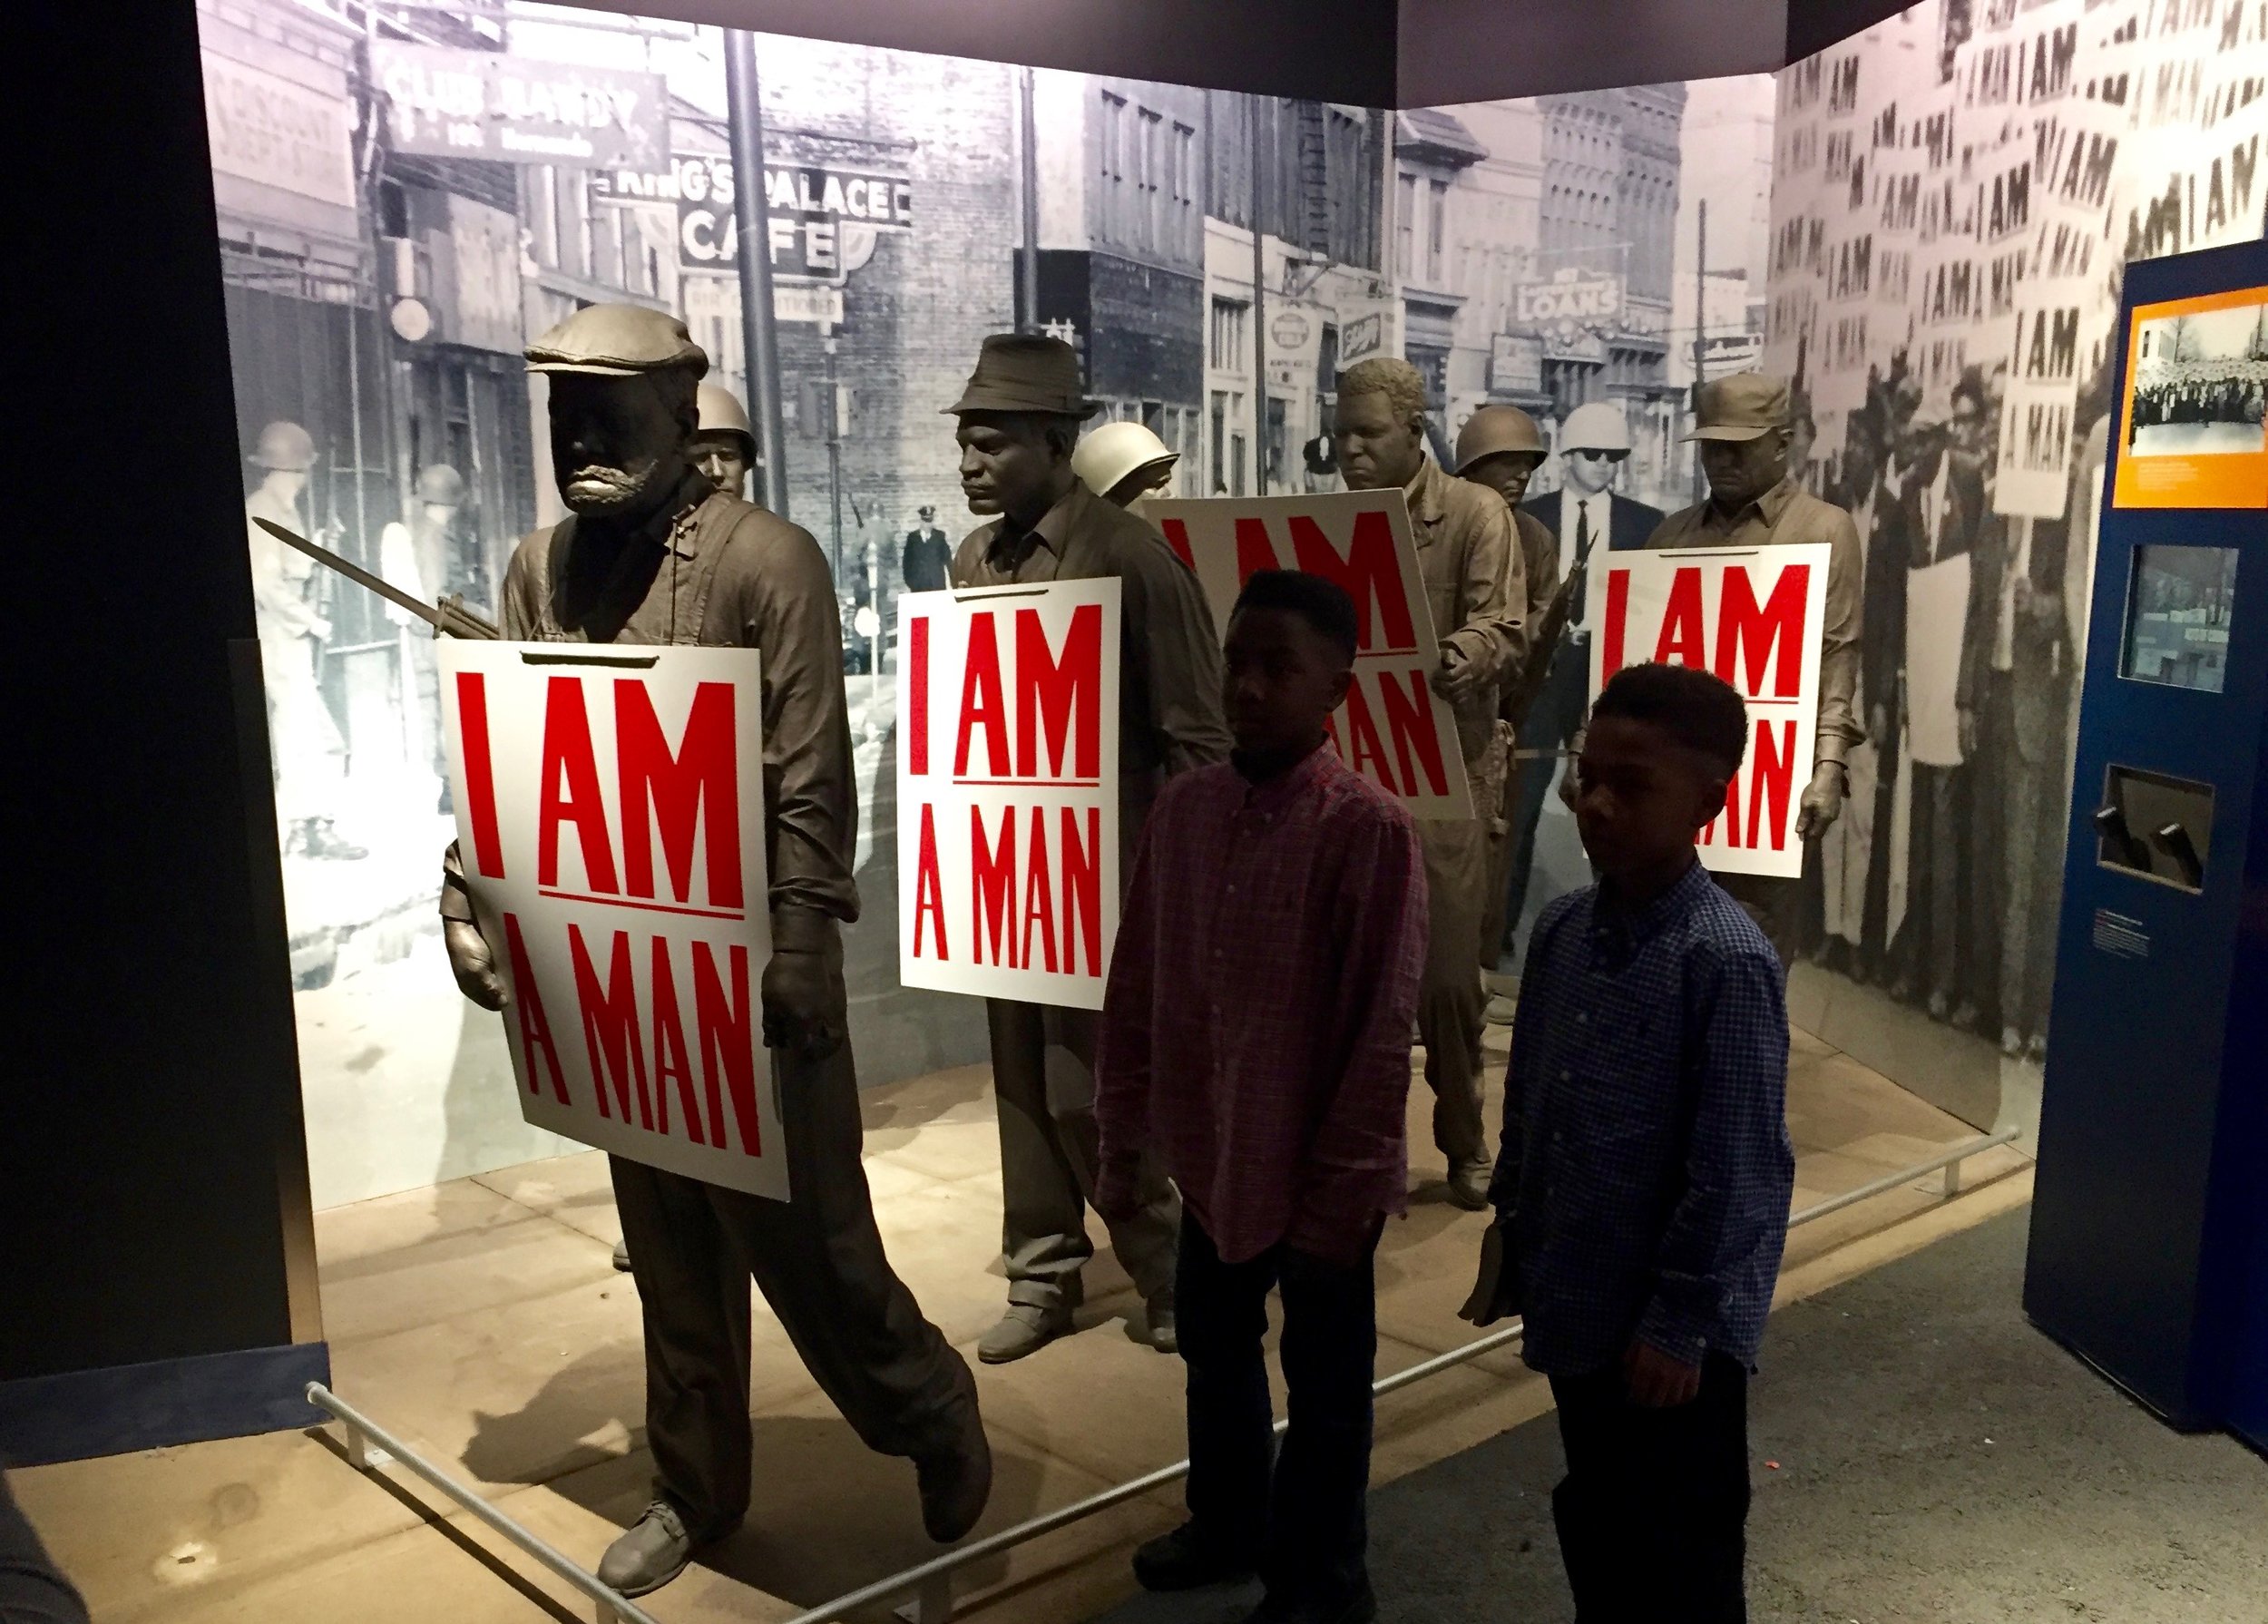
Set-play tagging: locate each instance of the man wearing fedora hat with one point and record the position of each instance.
(1019, 423)
(1744, 428)
(653, 552)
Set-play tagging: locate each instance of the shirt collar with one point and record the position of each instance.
(1648, 922)
(1424, 493)
(1271, 797)
(1768, 506)
(1051, 531)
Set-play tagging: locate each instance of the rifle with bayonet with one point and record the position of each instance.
(449, 618)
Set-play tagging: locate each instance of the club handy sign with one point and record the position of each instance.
(610, 811)
(1008, 790)
(1751, 616)
(1393, 729)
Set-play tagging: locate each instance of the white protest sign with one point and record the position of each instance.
(1393, 729)
(610, 810)
(1008, 790)
(1751, 615)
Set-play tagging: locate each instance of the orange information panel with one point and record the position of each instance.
(2196, 392)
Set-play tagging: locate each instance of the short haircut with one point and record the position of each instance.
(1696, 710)
(1402, 384)
(1317, 600)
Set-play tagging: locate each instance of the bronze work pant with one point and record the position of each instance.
(1774, 904)
(1043, 1085)
(819, 1262)
(1452, 1004)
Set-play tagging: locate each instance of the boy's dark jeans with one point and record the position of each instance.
(1302, 1521)
(1653, 1512)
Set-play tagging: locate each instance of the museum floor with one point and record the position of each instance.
(480, 1320)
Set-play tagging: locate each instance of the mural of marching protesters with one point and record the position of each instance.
(1955, 195)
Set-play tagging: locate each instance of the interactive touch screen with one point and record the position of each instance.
(2179, 605)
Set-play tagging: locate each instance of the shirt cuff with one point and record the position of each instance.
(799, 929)
(1679, 1335)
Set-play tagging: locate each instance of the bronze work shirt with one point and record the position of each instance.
(712, 570)
(1787, 514)
(1170, 661)
(1476, 581)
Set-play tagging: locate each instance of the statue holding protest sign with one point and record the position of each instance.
(642, 938)
(1019, 423)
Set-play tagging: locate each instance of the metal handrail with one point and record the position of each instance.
(930, 1582)
(363, 1432)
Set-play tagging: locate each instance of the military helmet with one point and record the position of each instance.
(721, 413)
(1597, 427)
(1105, 456)
(284, 444)
(439, 483)
(1495, 429)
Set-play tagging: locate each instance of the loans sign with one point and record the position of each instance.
(1008, 791)
(1751, 616)
(1393, 729)
(610, 812)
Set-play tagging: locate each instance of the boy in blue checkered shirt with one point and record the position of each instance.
(1644, 1183)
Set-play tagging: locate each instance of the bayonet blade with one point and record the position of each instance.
(355, 573)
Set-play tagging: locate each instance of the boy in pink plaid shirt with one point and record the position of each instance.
(1257, 1037)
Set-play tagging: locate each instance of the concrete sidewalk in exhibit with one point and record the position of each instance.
(481, 1321)
(1920, 1454)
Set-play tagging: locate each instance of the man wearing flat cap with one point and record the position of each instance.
(1019, 422)
(1743, 429)
(655, 553)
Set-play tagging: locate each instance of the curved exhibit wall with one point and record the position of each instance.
(1955, 193)
(385, 259)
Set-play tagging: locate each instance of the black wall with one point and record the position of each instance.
(151, 1165)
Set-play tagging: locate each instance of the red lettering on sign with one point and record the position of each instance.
(1771, 780)
(1410, 724)
(609, 1025)
(527, 1005)
(1746, 634)
(678, 784)
(726, 1026)
(670, 1058)
(992, 886)
(1082, 891)
(1365, 753)
(1177, 537)
(983, 701)
(480, 773)
(1066, 694)
(1684, 639)
(1617, 623)
(570, 790)
(929, 897)
(1038, 893)
(1255, 551)
(917, 694)
(1370, 573)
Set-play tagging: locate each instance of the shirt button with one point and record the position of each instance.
(1582, 1017)
(1567, 1077)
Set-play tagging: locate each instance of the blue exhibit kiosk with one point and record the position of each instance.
(2149, 1240)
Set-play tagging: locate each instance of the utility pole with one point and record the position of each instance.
(1028, 182)
(1700, 330)
(1259, 315)
(744, 115)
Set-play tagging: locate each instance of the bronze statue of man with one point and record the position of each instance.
(655, 553)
